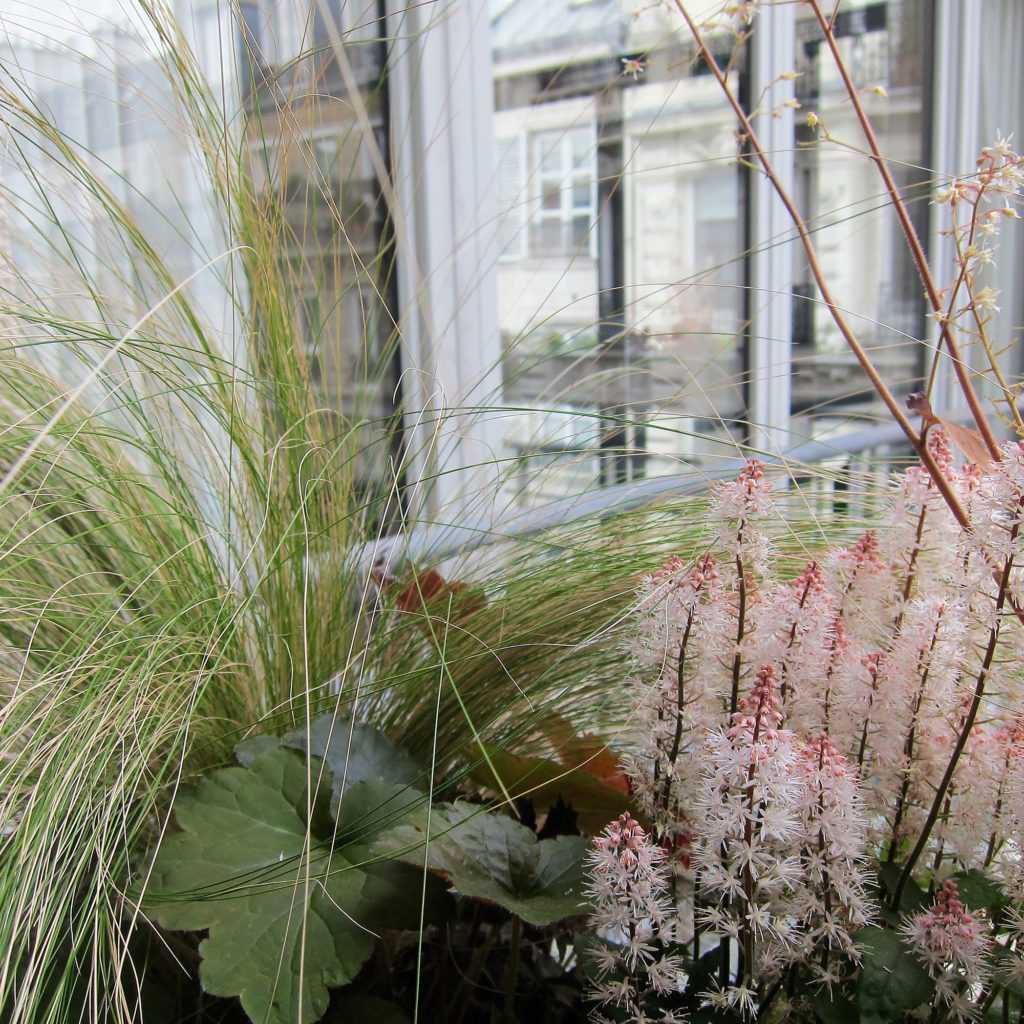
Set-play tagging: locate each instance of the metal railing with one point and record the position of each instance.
(431, 544)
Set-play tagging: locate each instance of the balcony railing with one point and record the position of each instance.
(429, 545)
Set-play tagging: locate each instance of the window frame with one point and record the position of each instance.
(519, 215)
(564, 179)
(768, 273)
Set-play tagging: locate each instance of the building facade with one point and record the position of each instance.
(539, 210)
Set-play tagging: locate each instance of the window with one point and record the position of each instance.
(555, 449)
(627, 296)
(717, 240)
(335, 247)
(546, 191)
(562, 171)
(646, 237)
(858, 239)
(615, 275)
(321, 29)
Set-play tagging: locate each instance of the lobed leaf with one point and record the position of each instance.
(493, 858)
(281, 908)
(595, 801)
(892, 981)
(354, 753)
(980, 892)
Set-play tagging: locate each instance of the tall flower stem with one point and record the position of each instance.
(741, 626)
(677, 738)
(917, 250)
(872, 665)
(965, 730)
(791, 639)
(908, 583)
(746, 929)
(908, 743)
(891, 403)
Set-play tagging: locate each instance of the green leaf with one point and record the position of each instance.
(1005, 968)
(354, 753)
(913, 897)
(394, 893)
(543, 781)
(835, 1008)
(370, 807)
(493, 858)
(280, 919)
(979, 891)
(253, 747)
(892, 981)
(997, 1013)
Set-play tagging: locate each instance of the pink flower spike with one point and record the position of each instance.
(748, 496)
(951, 943)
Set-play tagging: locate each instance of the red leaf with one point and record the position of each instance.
(969, 441)
(588, 753)
(431, 590)
(917, 401)
(421, 589)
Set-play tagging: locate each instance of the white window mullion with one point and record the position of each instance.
(955, 145)
(771, 303)
(444, 166)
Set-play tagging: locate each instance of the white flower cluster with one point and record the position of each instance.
(831, 903)
(680, 657)
(748, 848)
(978, 205)
(953, 946)
(791, 730)
(629, 889)
(739, 506)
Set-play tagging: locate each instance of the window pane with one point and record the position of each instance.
(642, 273)
(315, 154)
(108, 88)
(582, 148)
(580, 233)
(581, 194)
(862, 250)
(684, 266)
(551, 195)
(548, 152)
(546, 238)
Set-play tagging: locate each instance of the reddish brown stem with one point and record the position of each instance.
(961, 278)
(916, 249)
(891, 403)
(741, 616)
(746, 929)
(968, 724)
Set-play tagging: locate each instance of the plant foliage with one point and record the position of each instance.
(292, 898)
(493, 858)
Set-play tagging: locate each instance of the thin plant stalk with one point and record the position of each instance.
(890, 400)
(932, 290)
